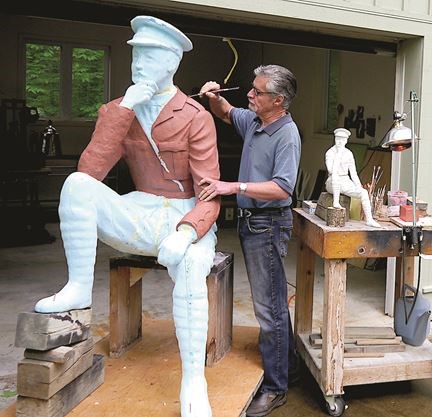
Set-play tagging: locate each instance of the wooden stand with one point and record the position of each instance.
(126, 275)
(56, 373)
(355, 240)
(325, 202)
(335, 217)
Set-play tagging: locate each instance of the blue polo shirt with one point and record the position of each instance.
(269, 154)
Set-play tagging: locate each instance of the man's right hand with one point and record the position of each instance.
(139, 93)
(206, 90)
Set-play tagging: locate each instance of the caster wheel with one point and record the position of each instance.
(336, 406)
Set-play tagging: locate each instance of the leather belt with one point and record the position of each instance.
(247, 212)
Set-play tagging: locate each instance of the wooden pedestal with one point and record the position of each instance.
(126, 275)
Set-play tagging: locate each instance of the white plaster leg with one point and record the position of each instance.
(190, 311)
(366, 206)
(79, 233)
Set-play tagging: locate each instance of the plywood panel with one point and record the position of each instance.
(145, 381)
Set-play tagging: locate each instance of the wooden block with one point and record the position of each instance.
(326, 200)
(352, 355)
(59, 354)
(353, 333)
(315, 340)
(368, 342)
(31, 376)
(369, 332)
(220, 297)
(42, 371)
(47, 331)
(336, 217)
(67, 398)
(125, 307)
(352, 348)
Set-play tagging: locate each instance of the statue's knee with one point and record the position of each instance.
(79, 182)
(77, 189)
(77, 179)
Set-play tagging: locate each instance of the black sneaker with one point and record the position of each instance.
(264, 403)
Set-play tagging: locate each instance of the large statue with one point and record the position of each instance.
(169, 143)
(340, 162)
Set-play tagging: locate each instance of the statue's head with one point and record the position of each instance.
(341, 136)
(157, 50)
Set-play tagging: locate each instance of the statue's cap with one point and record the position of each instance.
(340, 131)
(155, 32)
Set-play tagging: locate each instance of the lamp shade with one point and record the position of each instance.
(399, 137)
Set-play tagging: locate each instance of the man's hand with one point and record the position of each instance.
(215, 188)
(139, 93)
(173, 248)
(206, 90)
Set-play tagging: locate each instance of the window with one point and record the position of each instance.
(65, 81)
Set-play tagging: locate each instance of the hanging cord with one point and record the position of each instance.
(235, 58)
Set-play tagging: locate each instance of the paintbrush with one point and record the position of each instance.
(215, 91)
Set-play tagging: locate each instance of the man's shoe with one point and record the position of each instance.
(264, 403)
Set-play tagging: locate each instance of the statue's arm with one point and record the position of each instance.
(105, 147)
(353, 170)
(203, 162)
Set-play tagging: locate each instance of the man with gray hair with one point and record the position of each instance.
(268, 172)
(169, 143)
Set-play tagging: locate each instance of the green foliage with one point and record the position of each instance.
(43, 86)
(87, 82)
(43, 79)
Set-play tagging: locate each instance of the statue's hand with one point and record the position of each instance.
(173, 248)
(139, 93)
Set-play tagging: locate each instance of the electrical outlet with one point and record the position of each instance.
(229, 214)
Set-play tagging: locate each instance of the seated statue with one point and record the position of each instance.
(343, 178)
(168, 141)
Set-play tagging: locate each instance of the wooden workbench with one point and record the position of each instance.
(335, 245)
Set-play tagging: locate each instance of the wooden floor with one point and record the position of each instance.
(146, 380)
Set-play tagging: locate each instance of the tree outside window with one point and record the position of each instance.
(64, 81)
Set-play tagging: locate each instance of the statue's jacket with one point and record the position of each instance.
(185, 134)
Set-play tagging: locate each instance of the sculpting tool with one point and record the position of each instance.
(215, 91)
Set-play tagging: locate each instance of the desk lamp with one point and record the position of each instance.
(414, 325)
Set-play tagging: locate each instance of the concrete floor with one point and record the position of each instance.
(30, 273)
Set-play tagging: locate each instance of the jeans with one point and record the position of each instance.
(264, 240)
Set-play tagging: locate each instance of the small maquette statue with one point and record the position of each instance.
(169, 143)
(343, 178)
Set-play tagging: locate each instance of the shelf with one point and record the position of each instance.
(413, 363)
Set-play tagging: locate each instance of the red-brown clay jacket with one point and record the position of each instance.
(186, 137)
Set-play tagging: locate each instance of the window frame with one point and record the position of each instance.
(66, 51)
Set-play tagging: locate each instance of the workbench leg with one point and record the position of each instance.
(304, 289)
(408, 265)
(333, 326)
